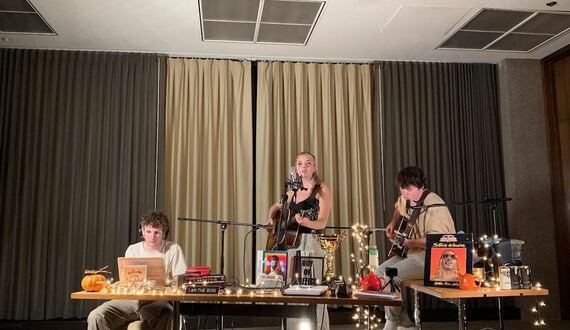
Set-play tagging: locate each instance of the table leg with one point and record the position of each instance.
(501, 321)
(221, 322)
(177, 324)
(462, 314)
(417, 319)
(369, 326)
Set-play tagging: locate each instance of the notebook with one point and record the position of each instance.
(297, 290)
(141, 269)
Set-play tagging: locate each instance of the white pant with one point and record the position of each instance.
(410, 268)
(117, 314)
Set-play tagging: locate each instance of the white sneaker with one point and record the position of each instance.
(390, 325)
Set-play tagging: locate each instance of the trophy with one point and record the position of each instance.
(329, 244)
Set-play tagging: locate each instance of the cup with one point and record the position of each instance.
(469, 282)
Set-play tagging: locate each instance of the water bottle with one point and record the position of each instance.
(373, 257)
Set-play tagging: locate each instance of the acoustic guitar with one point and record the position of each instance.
(285, 232)
(406, 229)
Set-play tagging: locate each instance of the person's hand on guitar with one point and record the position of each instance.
(269, 224)
(299, 217)
(390, 233)
(391, 228)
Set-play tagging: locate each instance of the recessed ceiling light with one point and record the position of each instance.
(5, 39)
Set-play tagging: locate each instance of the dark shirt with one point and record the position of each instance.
(308, 208)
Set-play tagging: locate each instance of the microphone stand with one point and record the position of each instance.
(492, 201)
(223, 226)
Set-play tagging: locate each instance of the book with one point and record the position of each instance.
(297, 290)
(378, 294)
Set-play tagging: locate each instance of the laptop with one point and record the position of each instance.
(142, 269)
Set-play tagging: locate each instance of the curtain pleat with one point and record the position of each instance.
(325, 109)
(209, 159)
(78, 143)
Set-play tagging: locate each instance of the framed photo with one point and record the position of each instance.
(447, 256)
(308, 271)
(275, 263)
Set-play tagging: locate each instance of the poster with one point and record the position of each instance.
(447, 256)
(275, 263)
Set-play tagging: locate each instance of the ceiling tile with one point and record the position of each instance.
(23, 23)
(16, 5)
(230, 10)
(519, 42)
(229, 31)
(290, 12)
(470, 40)
(546, 23)
(276, 33)
(496, 20)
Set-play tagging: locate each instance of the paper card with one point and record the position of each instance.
(135, 273)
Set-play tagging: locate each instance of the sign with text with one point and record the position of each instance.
(447, 256)
(135, 273)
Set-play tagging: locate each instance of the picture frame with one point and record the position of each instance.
(447, 256)
(308, 270)
(275, 263)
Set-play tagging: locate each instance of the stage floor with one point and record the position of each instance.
(509, 324)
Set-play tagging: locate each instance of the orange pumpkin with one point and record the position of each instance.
(93, 283)
(94, 280)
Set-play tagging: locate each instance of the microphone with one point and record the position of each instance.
(295, 181)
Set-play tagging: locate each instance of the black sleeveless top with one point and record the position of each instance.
(309, 209)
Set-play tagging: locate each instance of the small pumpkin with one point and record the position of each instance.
(94, 280)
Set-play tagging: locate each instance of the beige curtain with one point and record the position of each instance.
(325, 109)
(208, 158)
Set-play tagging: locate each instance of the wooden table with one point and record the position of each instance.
(234, 304)
(458, 296)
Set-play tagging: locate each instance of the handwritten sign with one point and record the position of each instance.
(135, 273)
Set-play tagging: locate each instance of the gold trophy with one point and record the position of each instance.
(329, 244)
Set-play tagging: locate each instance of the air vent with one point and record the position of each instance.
(259, 21)
(20, 16)
(507, 30)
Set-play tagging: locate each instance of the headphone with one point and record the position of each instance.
(164, 232)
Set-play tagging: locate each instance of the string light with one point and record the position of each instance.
(539, 321)
(362, 316)
(492, 280)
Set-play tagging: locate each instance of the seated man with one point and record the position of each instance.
(434, 220)
(116, 314)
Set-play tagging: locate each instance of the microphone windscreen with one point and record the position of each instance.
(292, 174)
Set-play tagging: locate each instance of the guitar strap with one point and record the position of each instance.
(417, 211)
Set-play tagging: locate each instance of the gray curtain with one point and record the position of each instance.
(444, 118)
(78, 165)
